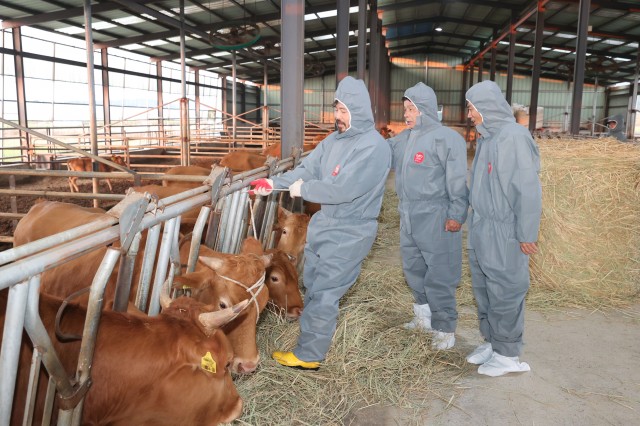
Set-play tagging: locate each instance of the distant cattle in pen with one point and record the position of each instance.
(83, 164)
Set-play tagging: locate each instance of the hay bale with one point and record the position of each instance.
(590, 229)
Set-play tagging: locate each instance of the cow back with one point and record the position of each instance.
(140, 364)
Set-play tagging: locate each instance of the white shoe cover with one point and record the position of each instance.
(500, 365)
(421, 319)
(481, 354)
(442, 341)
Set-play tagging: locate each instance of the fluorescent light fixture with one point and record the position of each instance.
(327, 14)
(438, 29)
(155, 42)
(133, 46)
(129, 20)
(71, 30)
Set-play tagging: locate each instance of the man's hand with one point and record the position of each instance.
(529, 248)
(261, 187)
(295, 188)
(452, 226)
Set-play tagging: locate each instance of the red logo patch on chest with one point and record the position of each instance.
(490, 167)
(418, 158)
(336, 171)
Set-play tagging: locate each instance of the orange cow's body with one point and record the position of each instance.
(274, 149)
(186, 171)
(140, 363)
(83, 164)
(242, 161)
(387, 133)
(41, 221)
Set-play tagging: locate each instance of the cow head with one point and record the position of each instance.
(223, 280)
(118, 159)
(282, 282)
(291, 232)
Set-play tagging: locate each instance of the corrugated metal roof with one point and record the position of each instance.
(460, 28)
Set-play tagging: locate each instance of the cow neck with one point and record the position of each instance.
(257, 287)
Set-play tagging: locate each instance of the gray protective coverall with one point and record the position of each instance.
(430, 161)
(620, 131)
(506, 201)
(346, 174)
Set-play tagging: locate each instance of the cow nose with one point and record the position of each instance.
(294, 314)
(245, 367)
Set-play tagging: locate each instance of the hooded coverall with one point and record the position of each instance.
(506, 201)
(430, 161)
(346, 174)
(619, 131)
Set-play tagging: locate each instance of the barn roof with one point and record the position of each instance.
(460, 28)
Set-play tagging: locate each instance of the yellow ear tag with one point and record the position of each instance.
(207, 363)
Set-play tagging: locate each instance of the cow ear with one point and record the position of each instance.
(283, 214)
(211, 262)
(267, 259)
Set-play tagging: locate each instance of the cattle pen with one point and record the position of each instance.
(226, 212)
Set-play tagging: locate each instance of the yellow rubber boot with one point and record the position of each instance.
(288, 359)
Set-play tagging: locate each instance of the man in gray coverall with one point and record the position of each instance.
(506, 201)
(430, 161)
(346, 174)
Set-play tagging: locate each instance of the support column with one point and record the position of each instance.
(494, 53)
(265, 102)
(535, 76)
(633, 111)
(234, 98)
(362, 39)
(463, 96)
(374, 59)
(184, 102)
(160, 101)
(342, 41)
(197, 97)
(480, 68)
(106, 100)
(512, 61)
(21, 96)
(91, 86)
(578, 69)
(291, 76)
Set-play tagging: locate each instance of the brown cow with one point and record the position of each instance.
(319, 138)
(189, 217)
(281, 278)
(141, 364)
(291, 232)
(237, 277)
(387, 133)
(185, 171)
(83, 164)
(242, 161)
(49, 217)
(274, 149)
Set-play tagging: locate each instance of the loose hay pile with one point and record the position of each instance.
(589, 257)
(590, 230)
(372, 361)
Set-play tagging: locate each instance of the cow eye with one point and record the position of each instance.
(274, 279)
(223, 305)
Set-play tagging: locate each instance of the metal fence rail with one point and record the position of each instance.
(219, 197)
